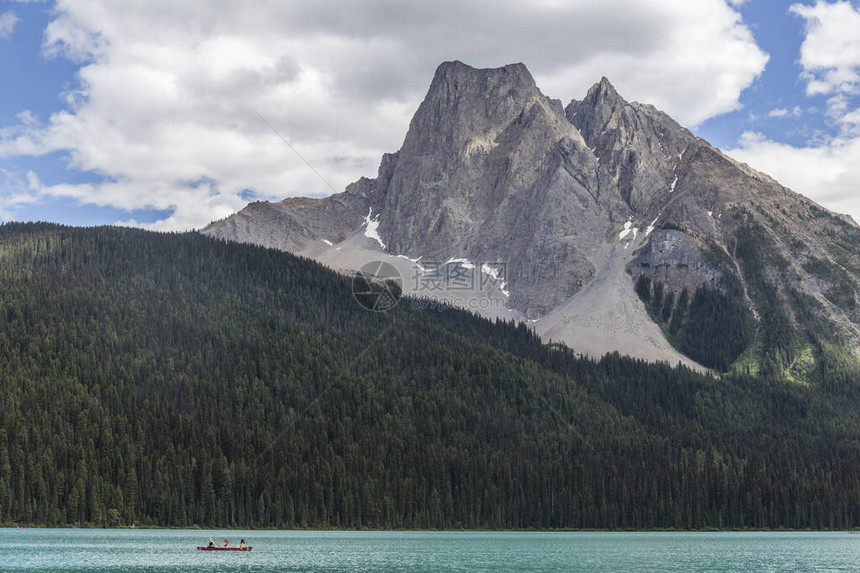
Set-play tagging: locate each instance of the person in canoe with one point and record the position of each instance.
(211, 543)
(226, 543)
(241, 543)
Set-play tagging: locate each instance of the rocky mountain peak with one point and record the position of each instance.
(607, 121)
(568, 205)
(641, 148)
(456, 69)
(479, 140)
(465, 103)
(455, 80)
(594, 113)
(603, 93)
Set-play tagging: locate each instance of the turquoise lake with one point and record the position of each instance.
(71, 550)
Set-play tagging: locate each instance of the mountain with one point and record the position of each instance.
(604, 223)
(178, 380)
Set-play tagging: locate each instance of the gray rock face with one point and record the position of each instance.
(492, 170)
(675, 258)
(641, 150)
(297, 224)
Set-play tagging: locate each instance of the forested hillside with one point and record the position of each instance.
(180, 380)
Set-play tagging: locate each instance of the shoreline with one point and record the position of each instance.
(405, 530)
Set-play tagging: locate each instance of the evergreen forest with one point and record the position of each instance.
(179, 380)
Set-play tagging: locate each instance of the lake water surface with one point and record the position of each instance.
(92, 551)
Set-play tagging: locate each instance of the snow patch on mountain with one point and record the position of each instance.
(462, 262)
(628, 228)
(414, 262)
(650, 227)
(371, 230)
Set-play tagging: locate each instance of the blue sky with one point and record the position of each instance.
(145, 112)
(779, 33)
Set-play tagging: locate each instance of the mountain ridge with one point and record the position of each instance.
(492, 171)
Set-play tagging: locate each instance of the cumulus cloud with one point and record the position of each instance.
(16, 193)
(704, 58)
(827, 174)
(169, 93)
(830, 53)
(7, 24)
(783, 112)
(827, 168)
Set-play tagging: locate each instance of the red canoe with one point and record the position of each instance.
(224, 548)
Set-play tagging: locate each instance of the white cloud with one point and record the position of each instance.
(7, 24)
(168, 95)
(827, 174)
(851, 125)
(830, 53)
(826, 168)
(783, 112)
(704, 58)
(16, 193)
